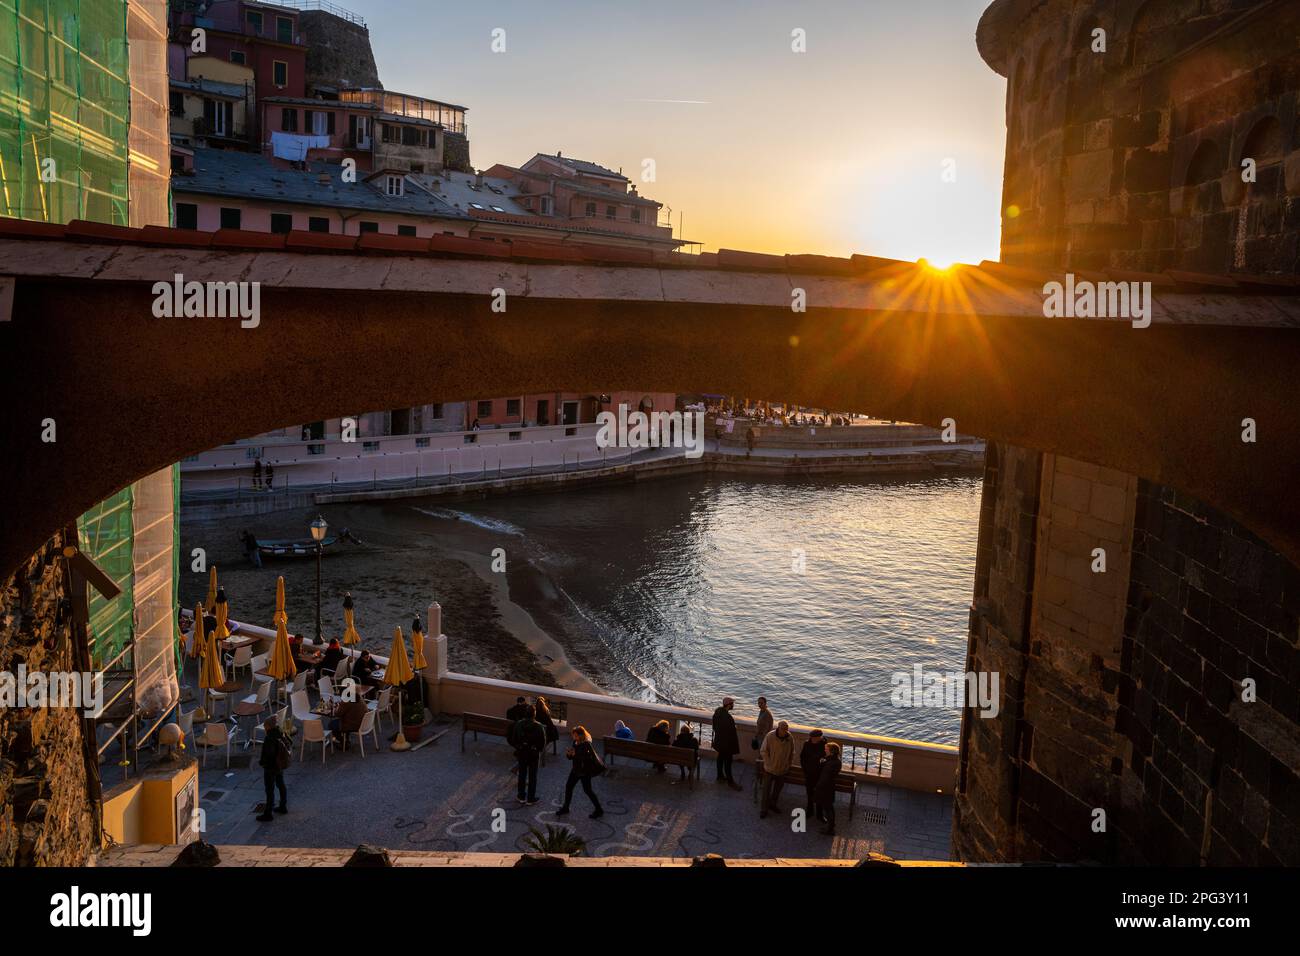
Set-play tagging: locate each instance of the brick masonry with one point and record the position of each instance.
(1123, 690)
(46, 816)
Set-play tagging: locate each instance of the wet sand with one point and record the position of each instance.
(393, 574)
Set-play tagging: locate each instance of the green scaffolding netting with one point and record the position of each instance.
(64, 110)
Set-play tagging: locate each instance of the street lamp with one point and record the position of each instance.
(318, 529)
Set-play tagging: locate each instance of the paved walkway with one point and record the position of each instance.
(438, 799)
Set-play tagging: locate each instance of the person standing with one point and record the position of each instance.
(726, 741)
(586, 764)
(546, 720)
(777, 754)
(257, 474)
(268, 477)
(810, 761)
(764, 724)
(824, 795)
(518, 711)
(529, 740)
(274, 759)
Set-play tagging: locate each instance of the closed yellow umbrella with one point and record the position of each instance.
(211, 602)
(350, 635)
(223, 615)
(397, 673)
(280, 618)
(197, 645)
(211, 673)
(417, 645)
(281, 666)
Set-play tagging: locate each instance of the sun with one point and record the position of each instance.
(937, 263)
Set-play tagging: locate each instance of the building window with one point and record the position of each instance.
(437, 410)
(406, 231)
(611, 212)
(414, 137)
(177, 101)
(187, 215)
(370, 446)
(254, 22)
(316, 449)
(422, 443)
(393, 185)
(318, 224)
(515, 436)
(389, 133)
(547, 205)
(229, 218)
(218, 117)
(280, 71)
(237, 56)
(366, 227)
(636, 215)
(289, 120)
(284, 29)
(281, 222)
(485, 409)
(470, 439)
(512, 406)
(591, 209)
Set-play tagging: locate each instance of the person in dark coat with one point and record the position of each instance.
(586, 764)
(363, 669)
(726, 741)
(528, 738)
(824, 794)
(686, 739)
(329, 661)
(274, 742)
(659, 734)
(544, 718)
(518, 711)
(810, 760)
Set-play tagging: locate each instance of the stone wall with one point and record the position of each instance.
(338, 52)
(46, 816)
(455, 152)
(1123, 690)
(1132, 157)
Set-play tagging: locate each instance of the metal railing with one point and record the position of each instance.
(324, 6)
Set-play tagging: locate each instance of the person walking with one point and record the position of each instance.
(586, 764)
(764, 724)
(777, 754)
(810, 761)
(528, 738)
(726, 741)
(824, 794)
(274, 760)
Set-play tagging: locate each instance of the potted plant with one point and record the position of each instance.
(412, 719)
(556, 839)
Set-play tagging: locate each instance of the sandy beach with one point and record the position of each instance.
(393, 574)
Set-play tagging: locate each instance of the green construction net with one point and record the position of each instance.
(64, 110)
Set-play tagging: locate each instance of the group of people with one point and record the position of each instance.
(263, 476)
(532, 730)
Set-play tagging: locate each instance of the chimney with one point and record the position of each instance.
(558, 154)
(436, 185)
(478, 178)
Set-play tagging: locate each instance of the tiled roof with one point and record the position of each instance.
(228, 172)
(582, 165)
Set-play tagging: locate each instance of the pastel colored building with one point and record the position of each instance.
(265, 37)
(212, 104)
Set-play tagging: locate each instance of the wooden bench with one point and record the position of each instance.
(687, 757)
(483, 723)
(794, 777)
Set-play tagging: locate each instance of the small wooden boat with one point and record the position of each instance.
(300, 547)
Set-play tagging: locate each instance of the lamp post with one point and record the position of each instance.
(318, 529)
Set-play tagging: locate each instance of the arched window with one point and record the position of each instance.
(1263, 143)
(1151, 19)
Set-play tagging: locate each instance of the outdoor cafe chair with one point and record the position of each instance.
(186, 722)
(313, 731)
(382, 705)
(301, 705)
(367, 727)
(216, 734)
(326, 689)
(240, 659)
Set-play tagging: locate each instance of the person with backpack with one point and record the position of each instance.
(528, 737)
(586, 764)
(274, 761)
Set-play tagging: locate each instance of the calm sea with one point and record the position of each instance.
(811, 592)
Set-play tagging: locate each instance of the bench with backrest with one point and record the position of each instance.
(486, 724)
(687, 757)
(794, 777)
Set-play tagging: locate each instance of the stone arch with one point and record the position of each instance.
(1147, 21)
(1205, 166)
(1264, 143)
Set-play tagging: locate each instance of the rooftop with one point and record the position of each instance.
(224, 172)
(582, 165)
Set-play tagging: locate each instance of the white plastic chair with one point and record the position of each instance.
(313, 731)
(367, 727)
(301, 705)
(242, 658)
(216, 734)
(186, 723)
(382, 705)
(326, 689)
